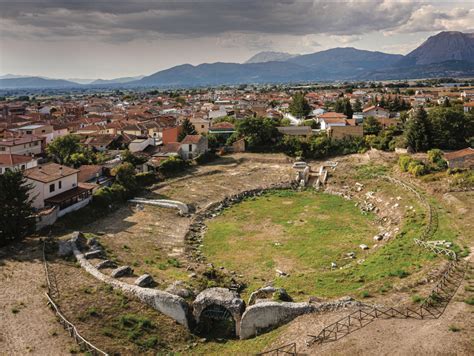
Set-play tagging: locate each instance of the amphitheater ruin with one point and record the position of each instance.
(199, 198)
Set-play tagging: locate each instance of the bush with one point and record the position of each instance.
(435, 157)
(172, 165)
(106, 196)
(146, 178)
(206, 157)
(417, 168)
(403, 162)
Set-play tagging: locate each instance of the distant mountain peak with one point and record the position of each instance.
(442, 47)
(270, 56)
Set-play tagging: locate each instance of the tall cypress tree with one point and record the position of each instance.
(419, 132)
(188, 129)
(16, 212)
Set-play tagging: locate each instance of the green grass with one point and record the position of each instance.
(301, 234)
(370, 171)
(238, 347)
(454, 328)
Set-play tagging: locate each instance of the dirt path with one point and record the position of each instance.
(451, 334)
(27, 325)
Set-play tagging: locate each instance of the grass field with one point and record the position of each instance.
(301, 233)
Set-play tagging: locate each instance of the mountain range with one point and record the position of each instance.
(445, 54)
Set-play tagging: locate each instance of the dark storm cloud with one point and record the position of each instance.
(130, 19)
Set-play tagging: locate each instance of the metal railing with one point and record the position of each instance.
(53, 292)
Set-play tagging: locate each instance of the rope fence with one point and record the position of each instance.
(51, 294)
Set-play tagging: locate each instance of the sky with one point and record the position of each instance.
(117, 38)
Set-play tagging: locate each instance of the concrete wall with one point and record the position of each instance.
(169, 304)
(77, 206)
(266, 315)
(164, 203)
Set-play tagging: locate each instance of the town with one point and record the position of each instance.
(70, 147)
(236, 177)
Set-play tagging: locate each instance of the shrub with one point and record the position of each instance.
(403, 162)
(416, 298)
(146, 178)
(435, 157)
(206, 157)
(399, 273)
(172, 165)
(417, 169)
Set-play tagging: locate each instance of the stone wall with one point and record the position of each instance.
(169, 304)
(164, 203)
(269, 314)
(264, 315)
(197, 228)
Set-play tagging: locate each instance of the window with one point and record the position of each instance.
(190, 147)
(43, 131)
(60, 185)
(2, 148)
(202, 126)
(23, 167)
(51, 188)
(29, 132)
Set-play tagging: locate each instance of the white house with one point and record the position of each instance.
(56, 186)
(139, 144)
(16, 162)
(193, 146)
(468, 106)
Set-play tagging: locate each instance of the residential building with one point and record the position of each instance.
(16, 162)
(55, 185)
(25, 145)
(193, 145)
(460, 159)
(376, 111)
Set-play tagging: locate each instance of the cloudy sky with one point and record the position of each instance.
(114, 38)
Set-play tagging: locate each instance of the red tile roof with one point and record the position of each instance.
(458, 154)
(49, 172)
(191, 139)
(10, 160)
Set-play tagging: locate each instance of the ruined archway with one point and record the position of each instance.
(218, 311)
(216, 321)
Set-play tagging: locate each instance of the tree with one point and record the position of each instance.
(446, 103)
(344, 106)
(357, 106)
(258, 132)
(187, 129)
(419, 131)
(371, 126)
(134, 160)
(299, 106)
(16, 211)
(125, 177)
(61, 148)
(452, 128)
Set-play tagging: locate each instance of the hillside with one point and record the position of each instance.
(445, 46)
(270, 56)
(35, 83)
